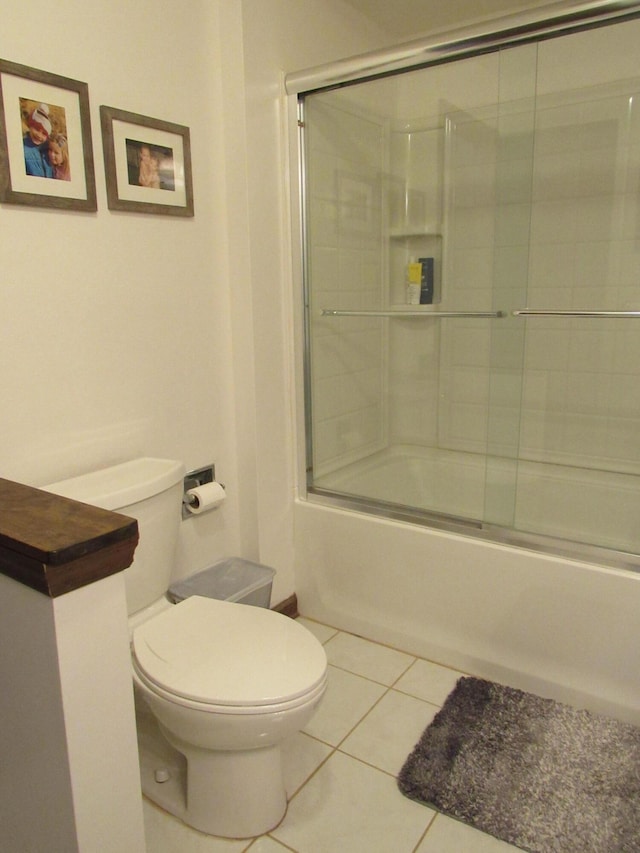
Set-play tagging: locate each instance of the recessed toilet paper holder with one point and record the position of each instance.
(192, 480)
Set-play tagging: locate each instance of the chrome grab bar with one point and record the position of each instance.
(535, 312)
(330, 312)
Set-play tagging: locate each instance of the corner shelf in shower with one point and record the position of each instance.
(410, 244)
(405, 234)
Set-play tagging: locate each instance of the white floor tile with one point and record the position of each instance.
(348, 807)
(451, 836)
(347, 700)
(428, 681)
(368, 659)
(166, 834)
(320, 631)
(390, 730)
(301, 756)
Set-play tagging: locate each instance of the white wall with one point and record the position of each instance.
(116, 338)
(129, 334)
(69, 777)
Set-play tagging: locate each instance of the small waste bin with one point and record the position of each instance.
(233, 579)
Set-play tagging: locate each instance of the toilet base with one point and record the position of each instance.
(235, 794)
(159, 759)
(229, 794)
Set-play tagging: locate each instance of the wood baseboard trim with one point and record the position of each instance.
(289, 606)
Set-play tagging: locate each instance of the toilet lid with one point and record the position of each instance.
(223, 653)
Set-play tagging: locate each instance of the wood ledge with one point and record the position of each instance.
(55, 545)
(289, 606)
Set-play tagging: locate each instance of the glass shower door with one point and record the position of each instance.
(505, 396)
(383, 424)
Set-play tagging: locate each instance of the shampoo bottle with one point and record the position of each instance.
(414, 279)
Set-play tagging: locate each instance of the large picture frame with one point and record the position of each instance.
(147, 164)
(46, 152)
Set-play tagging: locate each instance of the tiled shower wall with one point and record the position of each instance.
(581, 395)
(543, 200)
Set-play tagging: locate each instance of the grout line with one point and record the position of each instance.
(384, 645)
(424, 834)
(276, 840)
(313, 773)
(368, 764)
(362, 719)
(366, 677)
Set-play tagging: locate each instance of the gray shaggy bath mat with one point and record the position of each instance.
(540, 775)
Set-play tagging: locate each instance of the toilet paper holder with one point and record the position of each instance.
(192, 480)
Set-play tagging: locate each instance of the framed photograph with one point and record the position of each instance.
(147, 163)
(46, 154)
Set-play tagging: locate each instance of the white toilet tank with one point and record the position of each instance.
(149, 490)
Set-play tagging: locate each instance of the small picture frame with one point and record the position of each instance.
(147, 164)
(46, 152)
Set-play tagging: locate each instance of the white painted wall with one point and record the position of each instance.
(69, 777)
(134, 334)
(116, 337)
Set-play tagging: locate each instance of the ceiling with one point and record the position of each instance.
(405, 20)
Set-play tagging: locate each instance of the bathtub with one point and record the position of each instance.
(563, 501)
(559, 627)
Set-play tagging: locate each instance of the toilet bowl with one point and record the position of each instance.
(229, 712)
(218, 685)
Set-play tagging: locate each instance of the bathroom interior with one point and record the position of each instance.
(461, 488)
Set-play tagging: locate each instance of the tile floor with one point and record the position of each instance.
(340, 771)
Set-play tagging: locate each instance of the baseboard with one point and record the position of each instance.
(289, 606)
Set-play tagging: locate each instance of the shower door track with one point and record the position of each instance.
(476, 529)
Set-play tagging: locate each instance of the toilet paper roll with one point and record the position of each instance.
(204, 498)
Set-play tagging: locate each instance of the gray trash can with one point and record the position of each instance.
(233, 579)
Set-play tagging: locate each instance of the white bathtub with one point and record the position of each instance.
(558, 627)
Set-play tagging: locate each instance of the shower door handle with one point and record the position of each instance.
(539, 312)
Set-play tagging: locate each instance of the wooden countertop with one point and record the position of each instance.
(55, 545)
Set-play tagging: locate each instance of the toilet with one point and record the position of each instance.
(219, 686)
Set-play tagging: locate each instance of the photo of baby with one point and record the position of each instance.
(46, 149)
(150, 165)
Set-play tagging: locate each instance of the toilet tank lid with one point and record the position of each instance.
(121, 485)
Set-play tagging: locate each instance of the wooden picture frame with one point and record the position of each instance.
(46, 152)
(147, 164)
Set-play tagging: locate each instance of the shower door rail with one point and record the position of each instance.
(331, 312)
(539, 312)
(494, 315)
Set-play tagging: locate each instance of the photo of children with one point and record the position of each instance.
(150, 166)
(46, 150)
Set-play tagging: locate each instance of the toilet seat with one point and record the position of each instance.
(260, 658)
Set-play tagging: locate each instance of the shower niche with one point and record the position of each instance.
(509, 405)
(415, 208)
